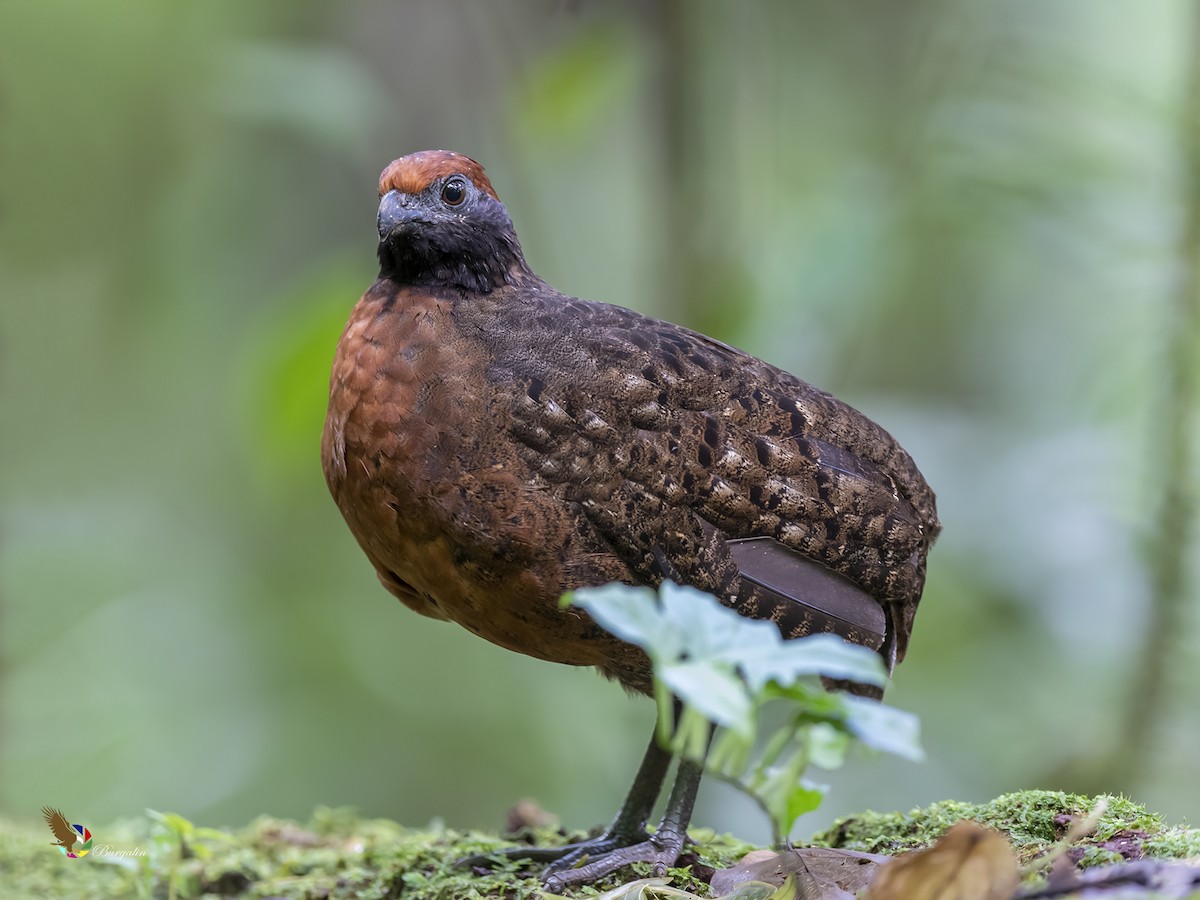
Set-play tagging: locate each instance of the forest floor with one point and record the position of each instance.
(1129, 852)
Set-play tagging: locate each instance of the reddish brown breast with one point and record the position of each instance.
(375, 440)
(417, 457)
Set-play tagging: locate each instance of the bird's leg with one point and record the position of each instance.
(629, 826)
(662, 849)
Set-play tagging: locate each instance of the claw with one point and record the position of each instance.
(626, 841)
(662, 851)
(563, 858)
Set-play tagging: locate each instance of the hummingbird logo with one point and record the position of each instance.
(73, 841)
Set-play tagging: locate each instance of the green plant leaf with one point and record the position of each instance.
(809, 696)
(884, 727)
(716, 692)
(730, 754)
(804, 797)
(691, 736)
(786, 795)
(723, 668)
(632, 614)
(173, 822)
(819, 654)
(827, 745)
(711, 630)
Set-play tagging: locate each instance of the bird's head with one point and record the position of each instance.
(441, 224)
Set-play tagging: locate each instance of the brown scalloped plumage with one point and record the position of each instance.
(493, 443)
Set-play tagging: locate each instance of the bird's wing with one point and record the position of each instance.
(60, 827)
(675, 445)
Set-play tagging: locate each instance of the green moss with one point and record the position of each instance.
(338, 856)
(1174, 843)
(1033, 820)
(335, 856)
(30, 867)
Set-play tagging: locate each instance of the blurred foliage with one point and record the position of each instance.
(576, 87)
(286, 382)
(965, 219)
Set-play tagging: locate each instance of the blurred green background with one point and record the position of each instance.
(974, 221)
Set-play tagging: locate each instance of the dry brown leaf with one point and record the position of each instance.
(969, 862)
(819, 873)
(660, 889)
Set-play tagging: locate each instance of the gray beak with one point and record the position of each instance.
(394, 214)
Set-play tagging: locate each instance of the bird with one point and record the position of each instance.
(493, 443)
(60, 827)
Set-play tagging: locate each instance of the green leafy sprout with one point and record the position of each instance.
(725, 669)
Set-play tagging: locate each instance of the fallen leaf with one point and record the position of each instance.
(757, 890)
(969, 862)
(756, 856)
(820, 873)
(660, 889)
(642, 889)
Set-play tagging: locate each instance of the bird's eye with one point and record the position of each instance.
(454, 192)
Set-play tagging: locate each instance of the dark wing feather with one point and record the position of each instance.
(674, 444)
